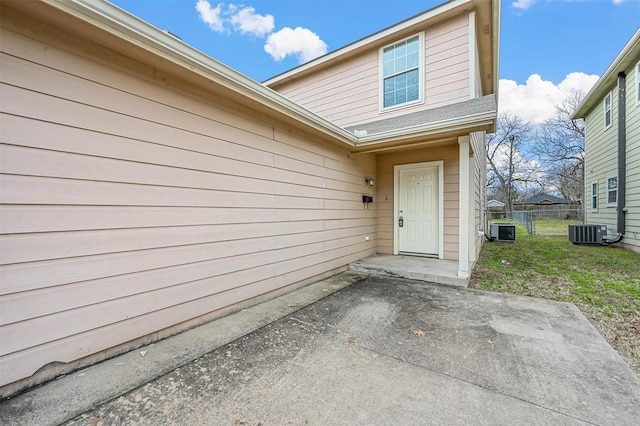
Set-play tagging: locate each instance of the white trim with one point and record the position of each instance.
(638, 83)
(463, 209)
(421, 85)
(597, 196)
(473, 51)
(432, 13)
(128, 27)
(604, 110)
(396, 202)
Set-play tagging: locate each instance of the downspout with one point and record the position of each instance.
(622, 151)
(622, 159)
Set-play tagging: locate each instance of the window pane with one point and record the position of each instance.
(612, 197)
(401, 64)
(400, 76)
(612, 183)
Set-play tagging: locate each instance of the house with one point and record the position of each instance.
(541, 200)
(495, 204)
(550, 206)
(148, 188)
(611, 111)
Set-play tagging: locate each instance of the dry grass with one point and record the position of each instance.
(603, 282)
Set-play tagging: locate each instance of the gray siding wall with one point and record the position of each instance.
(129, 207)
(601, 162)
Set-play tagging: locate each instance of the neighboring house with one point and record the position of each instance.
(544, 200)
(495, 204)
(549, 206)
(147, 188)
(612, 148)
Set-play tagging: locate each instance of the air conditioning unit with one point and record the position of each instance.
(504, 232)
(587, 234)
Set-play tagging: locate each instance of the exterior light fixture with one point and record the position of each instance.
(369, 181)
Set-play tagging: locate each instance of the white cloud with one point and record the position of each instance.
(300, 42)
(536, 99)
(247, 21)
(523, 4)
(526, 4)
(211, 16)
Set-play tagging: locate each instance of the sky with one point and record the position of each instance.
(548, 48)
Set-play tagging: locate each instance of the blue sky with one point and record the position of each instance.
(548, 47)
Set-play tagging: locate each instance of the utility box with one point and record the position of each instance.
(503, 232)
(587, 234)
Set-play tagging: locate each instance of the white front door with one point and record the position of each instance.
(418, 211)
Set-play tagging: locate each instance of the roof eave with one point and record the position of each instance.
(443, 11)
(427, 133)
(129, 28)
(629, 54)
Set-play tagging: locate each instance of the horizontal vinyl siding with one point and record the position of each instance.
(478, 189)
(632, 231)
(348, 93)
(128, 207)
(385, 187)
(601, 161)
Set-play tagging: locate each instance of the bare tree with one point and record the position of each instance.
(507, 166)
(561, 146)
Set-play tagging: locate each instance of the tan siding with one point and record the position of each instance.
(348, 93)
(386, 162)
(129, 207)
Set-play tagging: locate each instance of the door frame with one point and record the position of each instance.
(396, 203)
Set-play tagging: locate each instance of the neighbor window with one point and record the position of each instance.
(607, 110)
(612, 191)
(401, 64)
(594, 196)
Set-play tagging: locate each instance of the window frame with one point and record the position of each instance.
(594, 196)
(609, 203)
(420, 68)
(608, 96)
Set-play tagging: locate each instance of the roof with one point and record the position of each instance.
(626, 59)
(107, 25)
(444, 115)
(495, 203)
(487, 34)
(540, 199)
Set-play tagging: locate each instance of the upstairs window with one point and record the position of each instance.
(612, 191)
(607, 110)
(401, 65)
(594, 196)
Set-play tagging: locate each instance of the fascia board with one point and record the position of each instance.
(480, 119)
(363, 43)
(124, 25)
(601, 87)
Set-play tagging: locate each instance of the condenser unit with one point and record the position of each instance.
(587, 234)
(504, 232)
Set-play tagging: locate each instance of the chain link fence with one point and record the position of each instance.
(544, 222)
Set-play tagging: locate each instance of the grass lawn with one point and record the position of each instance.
(549, 226)
(604, 282)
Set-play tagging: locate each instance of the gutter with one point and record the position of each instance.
(123, 25)
(396, 135)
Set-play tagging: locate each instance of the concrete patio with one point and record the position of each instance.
(358, 349)
(411, 267)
